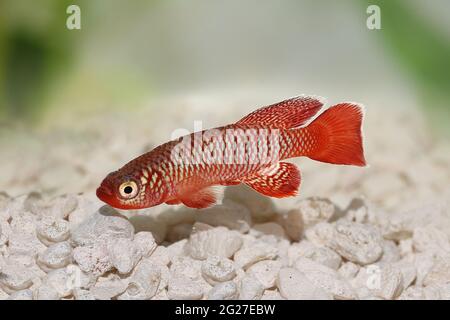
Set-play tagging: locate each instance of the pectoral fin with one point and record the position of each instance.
(200, 199)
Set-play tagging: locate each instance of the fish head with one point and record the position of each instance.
(123, 189)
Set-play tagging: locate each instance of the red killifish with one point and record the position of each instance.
(250, 151)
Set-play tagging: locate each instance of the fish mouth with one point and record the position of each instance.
(104, 193)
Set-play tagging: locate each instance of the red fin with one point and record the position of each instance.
(287, 114)
(283, 180)
(339, 135)
(200, 199)
(230, 183)
(173, 201)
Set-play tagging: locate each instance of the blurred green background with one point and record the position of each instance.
(129, 51)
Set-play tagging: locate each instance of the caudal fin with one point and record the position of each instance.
(338, 135)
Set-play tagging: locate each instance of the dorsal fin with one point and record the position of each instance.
(286, 114)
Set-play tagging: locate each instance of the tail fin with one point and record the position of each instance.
(338, 134)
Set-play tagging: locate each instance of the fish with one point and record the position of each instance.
(251, 151)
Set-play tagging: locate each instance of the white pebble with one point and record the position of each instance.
(93, 258)
(325, 278)
(145, 242)
(223, 291)
(14, 277)
(294, 285)
(108, 288)
(315, 210)
(232, 215)
(348, 270)
(183, 288)
(123, 254)
(218, 269)
(56, 256)
(271, 295)
(22, 295)
(51, 230)
(250, 289)
(356, 242)
(46, 292)
(324, 256)
(245, 257)
(265, 272)
(214, 242)
(144, 282)
(102, 227)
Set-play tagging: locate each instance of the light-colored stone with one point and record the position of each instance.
(383, 281)
(46, 292)
(320, 234)
(218, 269)
(232, 215)
(391, 253)
(431, 239)
(177, 249)
(223, 291)
(294, 285)
(51, 230)
(145, 242)
(14, 277)
(439, 273)
(183, 288)
(348, 270)
(26, 294)
(61, 281)
(108, 288)
(271, 295)
(324, 256)
(123, 254)
(99, 227)
(214, 242)
(160, 255)
(265, 272)
(245, 257)
(250, 289)
(82, 294)
(93, 258)
(407, 268)
(145, 280)
(315, 210)
(356, 242)
(24, 244)
(56, 256)
(325, 278)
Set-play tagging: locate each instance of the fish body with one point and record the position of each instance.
(250, 151)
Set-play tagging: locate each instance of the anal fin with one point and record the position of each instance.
(200, 199)
(173, 201)
(281, 180)
(230, 183)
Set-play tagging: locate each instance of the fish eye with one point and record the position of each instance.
(128, 189)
